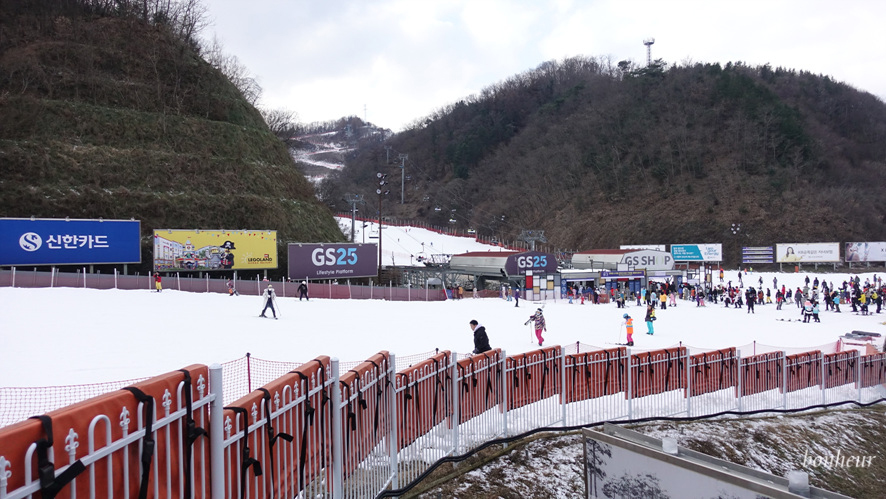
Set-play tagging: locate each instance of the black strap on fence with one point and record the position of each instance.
(50, 485)
(272, 437)
(406, 395)
(437, 384)
(378, 394)
(605, 374)
(192, 433)
(488, 379)
(667, 379)
(307, 423)
(351, 418)
(246, 460)
(147, 441)
(556, 371)
(516, 376)
(544, 374)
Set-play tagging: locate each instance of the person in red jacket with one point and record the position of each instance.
(157, 282)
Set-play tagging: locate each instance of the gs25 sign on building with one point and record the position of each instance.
(535, 261)
(332, 261)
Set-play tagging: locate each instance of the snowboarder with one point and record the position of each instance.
(303, 291)
(269, 298)
(481, 340)
(157, 283)
(540, 325)
(629, 327)
(650, 316)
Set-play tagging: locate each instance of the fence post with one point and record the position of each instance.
(455, 402)
(504, 391)
(393, 441)
(563, 384)
(629, 390)
(738, 375)
(337, 449)
(688, 362)
(216, 432)
(248, 373)
(784, 379)
(823, 393)
(858, 377)
(13, 277)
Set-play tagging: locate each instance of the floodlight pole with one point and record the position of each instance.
(403, 177)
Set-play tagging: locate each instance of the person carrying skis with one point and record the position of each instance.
(303, 291)
(269, 297)
(629, 327)
(481, 340)
(650, 316)
(540, 326)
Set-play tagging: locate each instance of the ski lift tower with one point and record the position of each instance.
(531, 236)
(648, 42)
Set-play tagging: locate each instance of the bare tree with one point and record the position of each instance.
(282, 122)
(234, 71)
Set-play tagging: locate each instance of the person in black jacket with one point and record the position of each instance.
(303, 291)
(481, 341)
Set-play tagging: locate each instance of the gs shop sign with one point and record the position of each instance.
(531, 260)
(332, 261)
(649, 260)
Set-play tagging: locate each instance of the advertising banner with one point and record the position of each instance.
(757, 254)
(697, 252)
(807, 252)
(181, 249)
(45, 241)
(649, 260)
(866, 252)
(531, 260)
(656, 247)
(332, 261)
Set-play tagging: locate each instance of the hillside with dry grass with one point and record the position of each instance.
(112, 112)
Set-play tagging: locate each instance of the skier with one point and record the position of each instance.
(517, 296)
(650, 316)
(157, 282)
(629, 327)
(481, 341)
(269, 297)
(303, 291)
(231, 290)
(540, 326)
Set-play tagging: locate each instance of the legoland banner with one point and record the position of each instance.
(59, 241)
(866, 252)
(177, 249)
(332, 261)
(807, 252)
(697, 252)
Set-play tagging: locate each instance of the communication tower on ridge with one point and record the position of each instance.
(648, 42)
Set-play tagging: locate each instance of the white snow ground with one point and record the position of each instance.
(90, 336)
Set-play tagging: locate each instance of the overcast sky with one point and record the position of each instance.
(403, 59)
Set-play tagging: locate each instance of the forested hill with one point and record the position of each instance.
(599, 155)
(109, 109)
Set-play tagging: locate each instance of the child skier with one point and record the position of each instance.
(629, 327)
(540, 326)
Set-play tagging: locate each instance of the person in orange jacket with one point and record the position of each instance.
(629, 327)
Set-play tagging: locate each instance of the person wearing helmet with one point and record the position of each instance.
(629, 327)
(303, 291)
(540, 326)
(269, 297)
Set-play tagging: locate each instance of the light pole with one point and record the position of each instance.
(381, 191)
